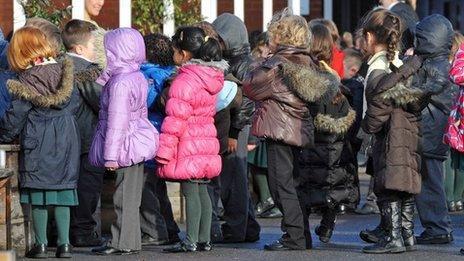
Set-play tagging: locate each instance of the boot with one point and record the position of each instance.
(392, 242)
(407, 216)
(374, 236)
(325, 230)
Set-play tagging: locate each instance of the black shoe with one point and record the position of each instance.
(342, 209)
(367, 209)
(272, 213)
(204, 246)
(277, 246)
(424, 239)
(459, 206)
(107, 251)
(252, 239)
(38, 251)
(461, 251)
(148, 240)
(392, 242)
(324, 233)
(181, 247)
(372, 236)
(264, 206)
(87, 241)
(64, 251)
(451, 206)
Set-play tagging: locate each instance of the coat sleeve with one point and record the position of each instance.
(378, 110)
(178, 110)
(14, 120)
(118, 120)
(258, 82)
(457, 69)
(91, 91)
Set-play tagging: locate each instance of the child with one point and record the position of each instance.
(324, 178)
(284, 84)
(454, 165)
(43, 114)
(78, 39)
(124, 138)
(434, 37)
(392, 115)
(157, 221)
(189, 148)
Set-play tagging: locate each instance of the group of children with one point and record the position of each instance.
(173, 109)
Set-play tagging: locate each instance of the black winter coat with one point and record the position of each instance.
(43, 115)
(326, 174)
(434, 35)
(409, 20)
(85, 75)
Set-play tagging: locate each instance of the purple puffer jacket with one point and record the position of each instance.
(124, 136)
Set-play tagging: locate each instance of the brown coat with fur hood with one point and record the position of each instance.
(394, 117)
(284, 85)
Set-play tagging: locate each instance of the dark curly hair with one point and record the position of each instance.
(159, 49)
(386, 27)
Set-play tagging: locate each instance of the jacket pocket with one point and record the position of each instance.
(31, 155)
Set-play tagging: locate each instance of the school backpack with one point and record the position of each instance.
(454, 132)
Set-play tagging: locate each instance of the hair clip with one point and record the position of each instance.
(181, 35)
(206, 38)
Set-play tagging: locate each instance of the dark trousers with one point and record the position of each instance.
(214, 191)
(156, 217)
(431, 202)
(281, 161)
(85, 218)
(240, 222)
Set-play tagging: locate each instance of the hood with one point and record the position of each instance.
(309, 84)
(434, 36)
(227, 95)
(233, 33)
(45, 85)
(125, 51)
(329, 124)
(210, 73)
(3, 49)
(156, 74)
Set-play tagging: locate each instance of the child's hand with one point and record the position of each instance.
(232, 146)
(111, 165)
(251, 147)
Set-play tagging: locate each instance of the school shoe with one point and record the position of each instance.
(264, 206)
(425, 239)
(204, 246)
(407, 220)
(278, 246)
(38, 251)
(459, 206)
(64, 251)
(182, 247)
(461, 251)
(272, 213)
(149, 241)
(108, 251)
(451, 206)
(392, 242)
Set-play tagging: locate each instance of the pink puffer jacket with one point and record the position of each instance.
(189, 148)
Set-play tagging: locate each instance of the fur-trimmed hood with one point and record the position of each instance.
(222, 65)
(309, 84)
(91, 74)
(53, 89)
(402, 93)
(327, 123)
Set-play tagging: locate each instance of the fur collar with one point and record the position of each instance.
(63, 93)
(91, 74)
(222, 65)
(402, 93)
(309, 84)
(326, 123)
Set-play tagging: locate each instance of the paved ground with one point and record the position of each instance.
(345, 245)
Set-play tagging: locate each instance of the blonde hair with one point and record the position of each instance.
(288, 29)
(28, 44)
(458, 39)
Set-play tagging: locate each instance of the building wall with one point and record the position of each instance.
(6, 16)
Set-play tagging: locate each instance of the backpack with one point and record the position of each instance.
(454, 132)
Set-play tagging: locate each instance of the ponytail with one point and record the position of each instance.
(394, 36)
(195, 41)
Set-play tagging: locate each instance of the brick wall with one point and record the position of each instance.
(6, 16)
(109, 15)
(254, 15)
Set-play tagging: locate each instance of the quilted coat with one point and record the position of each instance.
(124, 136)
(189, 148)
